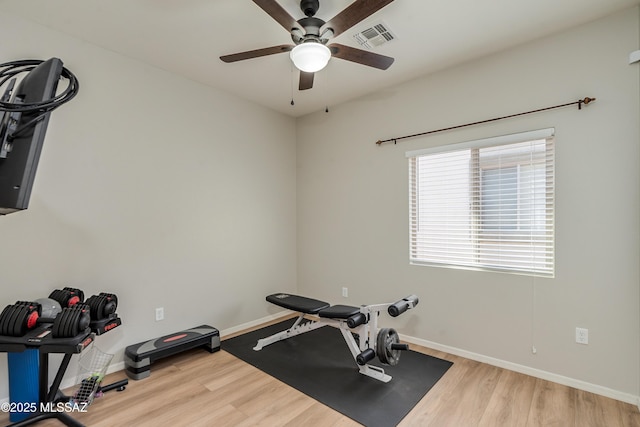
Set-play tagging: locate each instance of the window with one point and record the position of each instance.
(485, 204)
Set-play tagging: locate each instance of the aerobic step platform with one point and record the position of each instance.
(139, 357)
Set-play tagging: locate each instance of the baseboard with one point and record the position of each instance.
(538, 373)
(253, 323)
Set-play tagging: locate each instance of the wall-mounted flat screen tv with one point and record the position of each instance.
(22, 133)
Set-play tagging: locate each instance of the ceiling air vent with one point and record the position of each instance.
(374, 36)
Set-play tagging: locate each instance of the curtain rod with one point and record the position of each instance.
(584, 101)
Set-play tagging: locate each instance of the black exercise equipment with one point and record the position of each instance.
(67, 297)
(359, 321)
(102, 305)
(17, 318)
(98, 313)
(71, 321)
(72, 330)
(138, 357)
(397, 308)
(388, 346)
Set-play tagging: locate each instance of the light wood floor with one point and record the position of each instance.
(197, 388)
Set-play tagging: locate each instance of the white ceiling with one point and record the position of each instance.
(187, 37)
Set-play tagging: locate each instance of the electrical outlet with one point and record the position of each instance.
(582, 336)
(159, 314)
(345, 292)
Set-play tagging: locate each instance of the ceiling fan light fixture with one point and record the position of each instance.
(310, 56)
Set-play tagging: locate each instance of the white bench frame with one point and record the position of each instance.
(367, 332)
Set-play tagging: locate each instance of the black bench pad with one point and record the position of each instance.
(339, 312)
(298, 303)
(312, 306)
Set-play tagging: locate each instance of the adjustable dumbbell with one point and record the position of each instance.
(17, 319)
(102, 306)
(67, 297)
(71, 321)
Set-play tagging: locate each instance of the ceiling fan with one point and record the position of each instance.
(310, 34)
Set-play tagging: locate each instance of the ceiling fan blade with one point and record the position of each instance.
(240, 56)
(356, 12)
(361, 56)
(306, 80)
(277, 12)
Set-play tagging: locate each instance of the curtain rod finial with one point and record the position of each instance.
(588, 100)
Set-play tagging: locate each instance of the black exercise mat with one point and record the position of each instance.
(319, 364)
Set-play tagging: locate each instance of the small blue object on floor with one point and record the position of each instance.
(23, 383)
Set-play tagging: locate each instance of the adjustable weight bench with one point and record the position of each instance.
(363, 321)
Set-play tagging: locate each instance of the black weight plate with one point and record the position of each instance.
(90, 302)
(4, 319)
(380, 345)
(394, 354)
(64, 320)
(57, 324)
(386, 354)
(12, 320)
(94, 305)
(4, 326)
(19, 319)
(8, 324)
(69, 325)
(64, 317)
(98, 307)
(73, 327)
(100, 314)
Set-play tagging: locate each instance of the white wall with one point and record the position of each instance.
(160, 190)
(353, 206)
(172, 194)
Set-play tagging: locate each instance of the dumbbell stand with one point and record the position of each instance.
(41, 338)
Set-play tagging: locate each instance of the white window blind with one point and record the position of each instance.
(485, 204)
